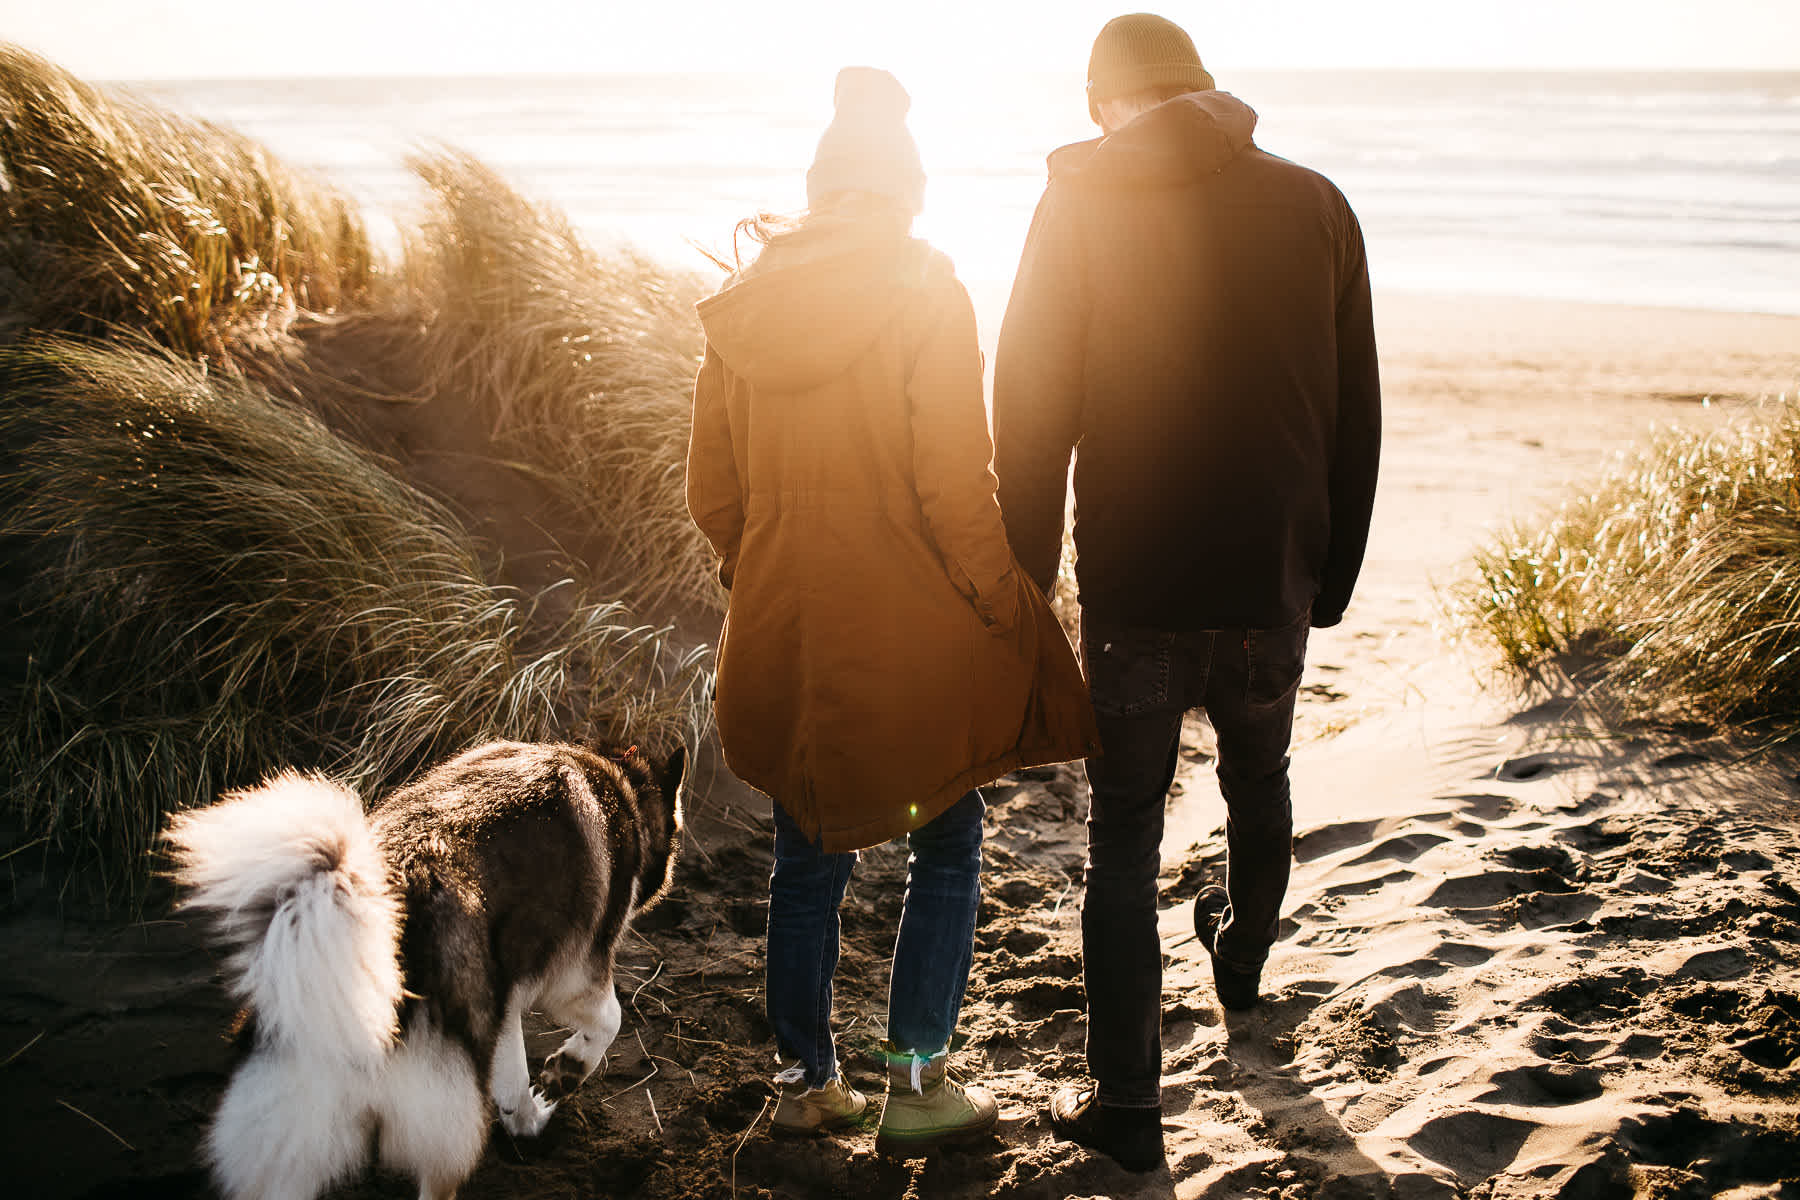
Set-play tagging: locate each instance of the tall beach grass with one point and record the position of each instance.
(1674, 582)
(118, 218)
(582, 364)
(205, 582)
(209, 584)
(118, 215)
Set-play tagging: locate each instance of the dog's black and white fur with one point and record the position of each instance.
(385, 963)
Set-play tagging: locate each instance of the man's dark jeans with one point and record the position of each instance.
(1142, 682)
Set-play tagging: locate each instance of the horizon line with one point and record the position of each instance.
(1686, 71)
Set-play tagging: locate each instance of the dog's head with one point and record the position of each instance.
(657, 784)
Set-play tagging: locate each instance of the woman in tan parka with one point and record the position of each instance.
(882, 654)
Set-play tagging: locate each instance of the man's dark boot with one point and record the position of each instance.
(1236, 988)
(1132, 1137)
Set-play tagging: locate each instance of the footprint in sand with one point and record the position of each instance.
(1543, 1085)
(1748, 860)
(1724, 1153)
(1400, 849)
(1725, 962)
(1020, 893)
(1555, 1041)
(1024, 942)
(1411, 1005)
(1362, 887)
(1329, 839)
(1643, 883)
(1539, 858)
(1340, 939)
(1037, 998)
(1363, 1114)
(1642, 1045)
(1555, 910)
(1446, 957)
(1709, 1004)
(1607, 833)
(1605, 995)
(1475, 1145)
(1418, 968)
(1485, 889)
(1458, 824)
(1485, 806)
(1762, 1025)
(1529, 767)
(1462, 954)
(1775, 1047)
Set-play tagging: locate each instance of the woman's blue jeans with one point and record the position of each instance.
(931, 953)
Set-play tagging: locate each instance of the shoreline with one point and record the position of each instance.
(1409, 322)
(1465, 349)
(1404, 294)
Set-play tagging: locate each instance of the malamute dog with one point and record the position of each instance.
(385, 961)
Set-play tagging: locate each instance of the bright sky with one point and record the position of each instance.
(134, 39)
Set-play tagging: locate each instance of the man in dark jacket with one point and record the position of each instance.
(1191, 318)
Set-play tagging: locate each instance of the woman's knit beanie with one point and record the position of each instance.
(867, 148)
(1140, 51)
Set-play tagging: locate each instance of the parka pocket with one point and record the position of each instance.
(1128, 669)
(998, 607)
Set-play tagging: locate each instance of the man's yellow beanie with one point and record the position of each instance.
(1141, 51)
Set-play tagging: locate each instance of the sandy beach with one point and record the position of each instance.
(1523, 955)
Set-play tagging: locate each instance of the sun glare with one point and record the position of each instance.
(984, 146)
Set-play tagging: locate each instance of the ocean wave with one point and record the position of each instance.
(1584, 183)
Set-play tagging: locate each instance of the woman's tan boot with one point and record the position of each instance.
(926, 1108)
(804, 1110)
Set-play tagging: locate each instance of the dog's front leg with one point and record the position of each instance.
(524, 1110)
(595, 1016)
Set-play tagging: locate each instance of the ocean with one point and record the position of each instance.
(1662, 189)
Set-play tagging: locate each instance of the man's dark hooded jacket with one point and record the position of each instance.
(1193, 314)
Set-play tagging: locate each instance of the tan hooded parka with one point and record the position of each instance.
(882, 652)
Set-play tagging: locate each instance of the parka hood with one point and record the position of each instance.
(810, 305)
(1178, 140)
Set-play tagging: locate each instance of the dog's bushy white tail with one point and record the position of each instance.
(295, 886)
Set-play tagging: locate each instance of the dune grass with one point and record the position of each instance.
(118, 218)
(1675, 580)
(205, 584)
(118, 215)
(204, 581)
(583, 364)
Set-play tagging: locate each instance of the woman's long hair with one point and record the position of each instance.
(869, 212)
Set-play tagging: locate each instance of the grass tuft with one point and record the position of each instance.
(208, 584)
(1677, 576)
(581, 363)
(115, 214)
(205, 582)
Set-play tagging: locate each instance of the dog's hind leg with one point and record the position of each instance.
(595, 1015)
(524, 1110)
(288, 1127)
(433, 1118)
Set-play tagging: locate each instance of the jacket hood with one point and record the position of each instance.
(1179, 140)
(810, 305)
